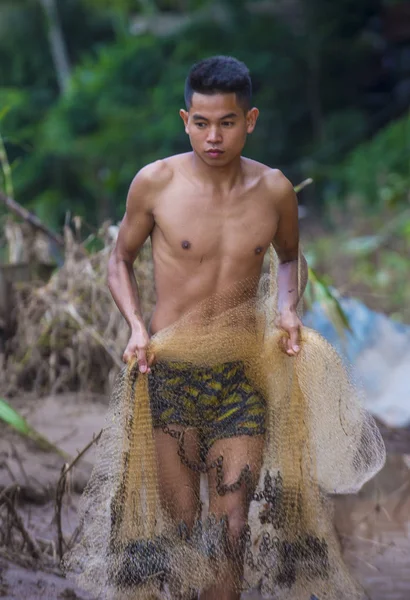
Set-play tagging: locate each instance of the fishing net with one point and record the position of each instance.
(216, 469)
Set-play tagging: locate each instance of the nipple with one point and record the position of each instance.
(258, 250)
(186, 245)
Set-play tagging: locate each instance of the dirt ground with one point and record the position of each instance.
(374, 526)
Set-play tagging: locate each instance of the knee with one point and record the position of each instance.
(187, 511)
(237, 520)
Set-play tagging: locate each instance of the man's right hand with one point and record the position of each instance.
(137, 347)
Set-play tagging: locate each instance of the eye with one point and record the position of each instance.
(200, 125)
(227, 123)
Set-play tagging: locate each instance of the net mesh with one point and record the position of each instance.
(217, 468)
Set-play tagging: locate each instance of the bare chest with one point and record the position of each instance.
(199, 227)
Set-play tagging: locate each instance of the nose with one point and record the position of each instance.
(214, 135)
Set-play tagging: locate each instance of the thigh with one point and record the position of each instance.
(233, 481)
(178, 483)
(230, 491)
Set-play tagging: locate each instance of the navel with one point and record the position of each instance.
(258, 250)
(186, 245)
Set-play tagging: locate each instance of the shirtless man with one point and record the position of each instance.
(211, 215)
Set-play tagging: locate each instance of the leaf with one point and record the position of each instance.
(19, 423)
(330, 303)
(3, 112)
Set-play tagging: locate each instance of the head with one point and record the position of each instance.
(219, 113)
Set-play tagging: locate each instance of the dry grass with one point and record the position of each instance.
(69, 334)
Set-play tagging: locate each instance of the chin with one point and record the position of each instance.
(216, 162)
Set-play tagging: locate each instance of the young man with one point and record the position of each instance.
(211, 214)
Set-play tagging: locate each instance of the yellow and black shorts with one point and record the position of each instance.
(219, 401)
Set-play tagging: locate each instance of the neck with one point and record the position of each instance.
(223, 178)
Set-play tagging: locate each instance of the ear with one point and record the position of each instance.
(184, 116)
(251, 118)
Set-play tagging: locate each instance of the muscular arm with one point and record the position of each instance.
(286, 244)
(135, 228)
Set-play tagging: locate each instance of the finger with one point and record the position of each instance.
(151, 360)
(126, 357)
(289, 348)
(283, 344)
(142, 360)
(294, 339)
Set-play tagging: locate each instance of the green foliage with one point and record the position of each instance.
(319, 291)
(378, 171)
(18, 423)
(80, 151)
(367, 256)
(20, 64)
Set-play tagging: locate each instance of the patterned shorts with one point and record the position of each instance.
(218, 401)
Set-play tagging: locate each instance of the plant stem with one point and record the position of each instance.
(5, 167)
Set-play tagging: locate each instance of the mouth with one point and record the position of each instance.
(214, 153)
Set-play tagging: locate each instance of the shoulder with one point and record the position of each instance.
(272, 180)
(155, 176)
(152, 177)
(281, 192)
(147, 184)
(278, 184)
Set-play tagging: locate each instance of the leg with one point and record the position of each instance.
(237, 452)
(144, 559)
(179, 485)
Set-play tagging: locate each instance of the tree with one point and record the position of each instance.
(57, 43)
(80, 150)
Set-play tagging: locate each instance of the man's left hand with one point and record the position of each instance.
(289, 321)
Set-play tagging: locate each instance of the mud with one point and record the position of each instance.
(374, 526)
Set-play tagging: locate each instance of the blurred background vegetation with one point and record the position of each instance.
(90, 92)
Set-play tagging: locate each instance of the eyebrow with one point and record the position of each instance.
(198, 117)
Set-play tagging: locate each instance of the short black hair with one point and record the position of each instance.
(220, 75)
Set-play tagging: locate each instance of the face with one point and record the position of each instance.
(217, 127)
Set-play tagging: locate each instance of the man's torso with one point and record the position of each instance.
(205, 241)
